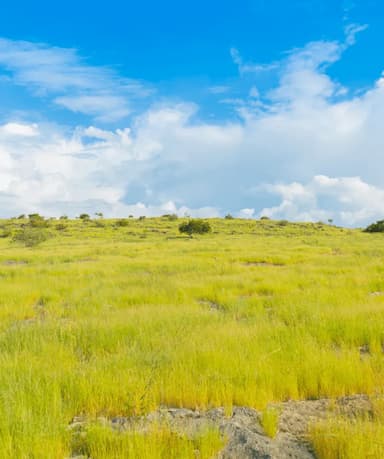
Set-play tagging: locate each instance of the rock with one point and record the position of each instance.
(354, 406)
(296, 416)
(246, 438)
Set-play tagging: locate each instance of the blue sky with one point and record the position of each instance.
(254, 107)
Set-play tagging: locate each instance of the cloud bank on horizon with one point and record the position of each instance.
(306, 148)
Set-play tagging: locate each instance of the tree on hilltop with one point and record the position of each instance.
(195, 226)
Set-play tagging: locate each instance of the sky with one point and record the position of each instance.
(253, 108)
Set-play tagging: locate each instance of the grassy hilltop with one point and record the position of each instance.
(116, 318)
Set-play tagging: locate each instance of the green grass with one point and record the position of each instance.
(108, 320)
(346, 439)
(157, 443)
(353, 438)
(270, 421)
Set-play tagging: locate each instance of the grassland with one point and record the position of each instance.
(106, 320)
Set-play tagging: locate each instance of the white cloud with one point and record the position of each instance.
(350, 200)
(18, 129)
(247, 67)
(246, 213)
(90, 169)
(219, 89)
(319, 150)
(74, 84)
(103, 107)
(351, 30)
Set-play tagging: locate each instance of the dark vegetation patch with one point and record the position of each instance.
(15, 262)
(263, 263)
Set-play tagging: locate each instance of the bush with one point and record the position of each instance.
(195, 226)
(61, 227)
(170, 217)
(6, 232)
(84, 217)
(37, 221)
(377, 227)
(30, 236)
(122, 222)
(228, 217)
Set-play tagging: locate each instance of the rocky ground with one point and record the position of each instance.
(246, 438)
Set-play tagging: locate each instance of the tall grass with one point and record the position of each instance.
(118, 320)
(351, 438)
(157, 443)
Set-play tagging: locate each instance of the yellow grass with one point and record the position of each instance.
(106, 320)
(270, 421)
(157, 443)
(353, 438)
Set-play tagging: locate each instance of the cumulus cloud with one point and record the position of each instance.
(85, 170)
(17, 129)
(346, 199)
(305, 149)
(246, 213)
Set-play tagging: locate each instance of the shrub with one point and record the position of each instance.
(170, 217)
(37, 221)
(61, 227)
(84, 217)
(264, 217)
(64, 217)
(122, 222)
(195, 226)
(6, 232)
(228, 217)
(377, 227)
(30, 236)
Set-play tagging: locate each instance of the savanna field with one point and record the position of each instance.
(112, 318)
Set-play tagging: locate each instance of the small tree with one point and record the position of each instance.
(31, 236)
(37, 221)
(122, 222)
(84, 217)
(377, 227)
(228, 217)
(195, 226)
